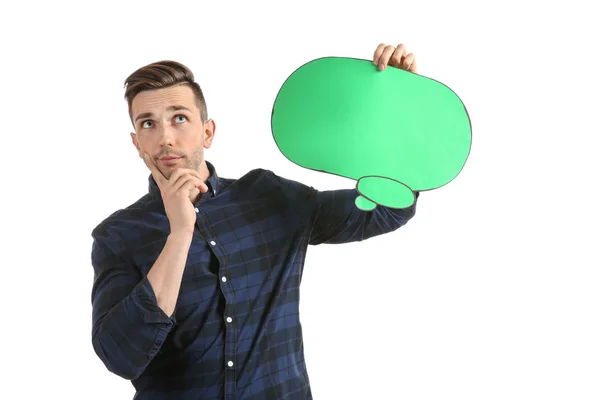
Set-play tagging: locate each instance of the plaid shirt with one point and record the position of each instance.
(235, 333)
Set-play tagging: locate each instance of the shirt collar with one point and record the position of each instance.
(212, 183)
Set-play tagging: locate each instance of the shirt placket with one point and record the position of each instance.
(227, 291)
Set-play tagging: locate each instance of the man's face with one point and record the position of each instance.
(168, 127)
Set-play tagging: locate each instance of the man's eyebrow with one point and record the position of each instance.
(178, 108)
(170, 108)
(143, 115)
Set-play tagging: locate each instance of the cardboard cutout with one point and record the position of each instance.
(393, 131)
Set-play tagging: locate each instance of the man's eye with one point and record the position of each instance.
(183, 118)
(146, 124)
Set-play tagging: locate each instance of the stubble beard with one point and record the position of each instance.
(194, 161)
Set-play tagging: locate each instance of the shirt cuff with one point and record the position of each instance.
(145, 299)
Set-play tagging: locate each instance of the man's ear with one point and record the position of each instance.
(209, 132)
(136, 144)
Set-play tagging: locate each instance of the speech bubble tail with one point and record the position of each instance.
(364, 204)
(384, 191)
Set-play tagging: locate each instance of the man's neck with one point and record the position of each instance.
(204, 171)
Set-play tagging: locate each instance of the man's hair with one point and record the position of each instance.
(160, 75)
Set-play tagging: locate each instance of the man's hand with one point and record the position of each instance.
(175, 193)
(394, 57)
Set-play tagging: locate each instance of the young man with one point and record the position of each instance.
(196, 284)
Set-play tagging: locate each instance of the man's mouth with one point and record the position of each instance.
(170, 160)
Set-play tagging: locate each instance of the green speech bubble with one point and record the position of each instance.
(393, 131)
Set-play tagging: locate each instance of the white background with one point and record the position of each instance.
(490, 292)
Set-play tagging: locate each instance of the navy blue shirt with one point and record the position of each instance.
(235, 333)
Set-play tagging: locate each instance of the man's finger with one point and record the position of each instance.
(158, 176)
(409, 63)
(398, 56)
(385, 57)
(189, 182)
(182, 173)
(378, 52)
(203, 187)
(401, 49)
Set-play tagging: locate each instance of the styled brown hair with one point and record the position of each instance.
(160, 75)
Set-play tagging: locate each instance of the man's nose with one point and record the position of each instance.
(166, 135)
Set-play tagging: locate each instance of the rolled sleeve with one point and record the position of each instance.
(128, 327)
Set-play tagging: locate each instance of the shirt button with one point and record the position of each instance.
(212, 242)
(229, 319)
(197, 211)
(230, 363)
(224, 279)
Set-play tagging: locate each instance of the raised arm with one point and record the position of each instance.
(332, 216)
(131, 312)
(336, 219)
